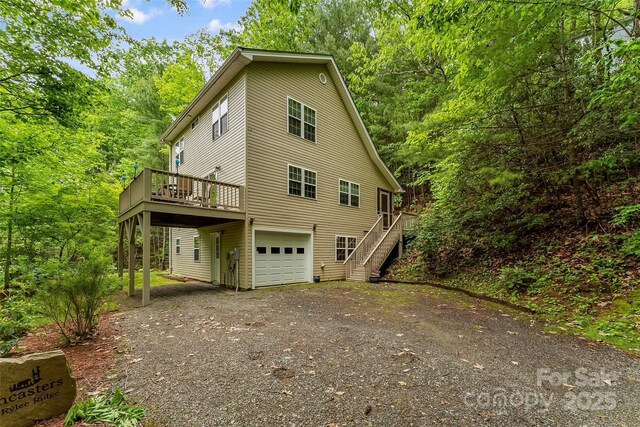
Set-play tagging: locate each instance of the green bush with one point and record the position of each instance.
(110, 407)
(73, 297)
(16, 314)
(517, 279)
(631, 244)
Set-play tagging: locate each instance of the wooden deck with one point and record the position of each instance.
(159, 198)
(181, 200)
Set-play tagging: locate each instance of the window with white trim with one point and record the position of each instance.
(302, 182)
(180, 151)
(344, 247)
(349, 193)
(221, 117)
(178, 245)
(196, 248)
(302, 120)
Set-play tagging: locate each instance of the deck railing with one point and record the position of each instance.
(364, 247)
(169, 187)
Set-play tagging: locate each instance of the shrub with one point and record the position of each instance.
(16, 313)
(110, 407)
(73, 298)
(517, 279)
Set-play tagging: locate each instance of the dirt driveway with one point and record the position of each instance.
(357, 354)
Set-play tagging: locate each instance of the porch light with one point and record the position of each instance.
(135, 169)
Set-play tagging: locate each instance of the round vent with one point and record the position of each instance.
(323, 78)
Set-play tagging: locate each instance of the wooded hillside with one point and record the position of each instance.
(513, 125)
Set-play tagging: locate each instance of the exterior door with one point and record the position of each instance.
(385, 207)
(215, 258)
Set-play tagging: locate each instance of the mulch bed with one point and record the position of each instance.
(90, 361)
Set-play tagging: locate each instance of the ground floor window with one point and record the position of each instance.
(178, 243)
(196, 248)
(344, 247)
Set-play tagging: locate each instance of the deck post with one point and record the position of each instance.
(132, 256)
(120, 252)
(146, 257)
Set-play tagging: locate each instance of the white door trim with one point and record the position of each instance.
(280, 230)
(215, 262)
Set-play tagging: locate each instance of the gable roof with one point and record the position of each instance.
(240, 58)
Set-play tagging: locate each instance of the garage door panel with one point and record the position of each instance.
(281, 258)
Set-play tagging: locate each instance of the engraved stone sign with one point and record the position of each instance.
(34, 387)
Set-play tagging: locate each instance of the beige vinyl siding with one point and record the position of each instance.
(339, 153)
(232, 236)
(203, 154)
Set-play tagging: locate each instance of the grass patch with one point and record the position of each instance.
(158, 278)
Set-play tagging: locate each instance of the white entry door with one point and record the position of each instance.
(215, 258)
(281, 258)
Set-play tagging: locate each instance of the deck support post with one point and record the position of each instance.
(120, 253)
(146, 257)
(132, 256)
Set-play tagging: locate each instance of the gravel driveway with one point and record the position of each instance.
(358, 354)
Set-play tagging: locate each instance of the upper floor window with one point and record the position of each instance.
(302, 182)
(344, 246)
(302, 120)
(194, 124)
(180, 151)
(349, 193)
(221, 117)
(196, 248)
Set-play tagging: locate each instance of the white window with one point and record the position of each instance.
(178, 243)
(196, 248)
(349, 193)
(302, 120)
(302, 182)
(221, 117)
(194, 124)
(180, 151)
(344, 247)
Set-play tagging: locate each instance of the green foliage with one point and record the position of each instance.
(631, 244)
(517, 279)
(109, 407)
(16, 315)
(626, 215)
(75, 292)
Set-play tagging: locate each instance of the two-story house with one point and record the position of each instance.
(273, 180)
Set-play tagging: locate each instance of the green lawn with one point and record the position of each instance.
(157, 279)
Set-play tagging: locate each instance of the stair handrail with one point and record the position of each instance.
(363, 239)
(384, 237)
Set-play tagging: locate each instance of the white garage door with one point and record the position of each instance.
(281, 258)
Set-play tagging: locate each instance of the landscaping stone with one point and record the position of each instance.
(35, 387)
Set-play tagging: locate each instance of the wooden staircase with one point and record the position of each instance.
(375, 247)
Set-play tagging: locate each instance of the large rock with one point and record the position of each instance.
(35, 387)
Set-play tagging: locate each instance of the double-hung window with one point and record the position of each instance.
(302, 120)
(349, 193)
(178, 245)
(180, 151)
(196, 248)
(344, 247)
(302, 182)
(221, 117)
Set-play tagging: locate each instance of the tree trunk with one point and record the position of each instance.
(9, 255)
(635, 31)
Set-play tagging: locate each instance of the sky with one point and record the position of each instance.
(156, 18)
